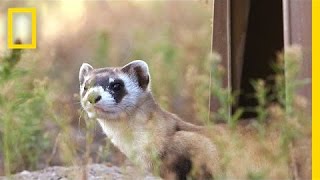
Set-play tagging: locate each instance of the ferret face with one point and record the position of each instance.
(113, 93)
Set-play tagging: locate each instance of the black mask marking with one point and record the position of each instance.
(117, 90)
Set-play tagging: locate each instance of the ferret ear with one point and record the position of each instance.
(84, 71)
(140, 70)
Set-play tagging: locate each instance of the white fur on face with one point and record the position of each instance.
(133, 90)
(107, 106)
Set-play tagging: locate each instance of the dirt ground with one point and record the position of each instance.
(94, 172)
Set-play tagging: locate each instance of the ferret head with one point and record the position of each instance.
(113, 93)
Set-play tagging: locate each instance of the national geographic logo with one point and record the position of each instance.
(22, 24)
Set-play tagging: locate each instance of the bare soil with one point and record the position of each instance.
(91, 172)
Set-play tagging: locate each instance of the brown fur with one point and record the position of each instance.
(181, 144)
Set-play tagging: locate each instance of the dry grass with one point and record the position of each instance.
(173, 37)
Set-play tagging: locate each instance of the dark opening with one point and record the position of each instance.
(264, 38)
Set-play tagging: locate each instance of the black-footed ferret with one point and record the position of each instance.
(120, 99)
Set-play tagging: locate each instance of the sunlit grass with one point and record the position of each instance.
(41, 124)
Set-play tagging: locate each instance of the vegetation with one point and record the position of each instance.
(22, 101)
(41, 124)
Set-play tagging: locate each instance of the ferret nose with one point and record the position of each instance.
(94, 98)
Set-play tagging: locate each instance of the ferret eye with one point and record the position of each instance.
(85, 88)
(116, 86)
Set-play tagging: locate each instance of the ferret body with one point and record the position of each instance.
(121, 100)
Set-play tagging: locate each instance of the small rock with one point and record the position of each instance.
(94, 172)
(25, 172)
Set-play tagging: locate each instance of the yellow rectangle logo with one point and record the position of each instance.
(11, 44)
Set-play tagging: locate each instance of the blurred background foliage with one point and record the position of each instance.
(42, 124)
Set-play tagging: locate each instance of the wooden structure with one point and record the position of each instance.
(248, 34)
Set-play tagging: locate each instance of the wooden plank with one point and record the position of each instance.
(297, 30)
(221, 41)
(239, 16)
